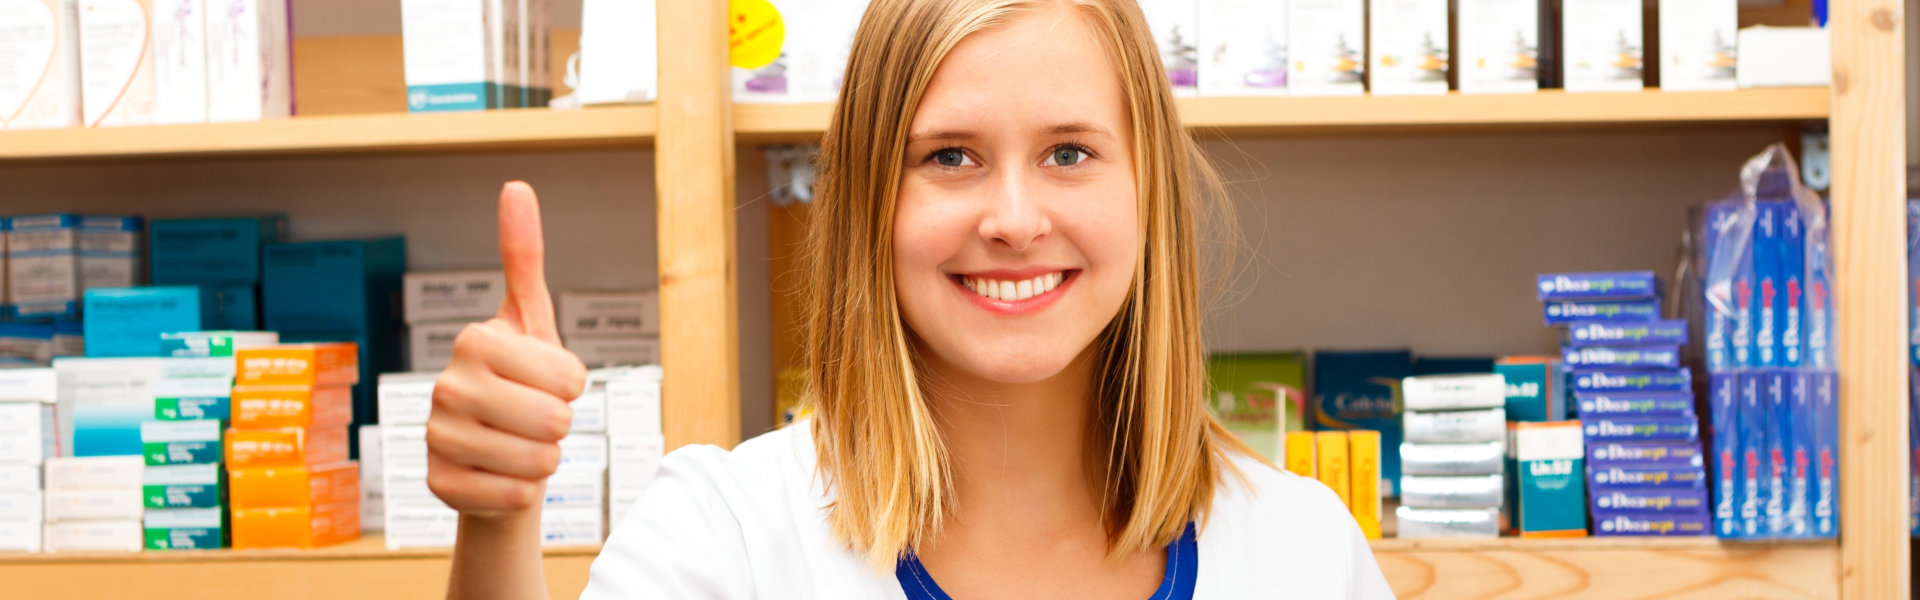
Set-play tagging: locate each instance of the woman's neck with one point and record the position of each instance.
(1019, 451)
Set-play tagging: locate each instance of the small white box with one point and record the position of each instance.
(39, 67)
(30, 441)
(249, 61)
(21, 536)
(1409, 52)
(460, 296)
(1603, 47)
(1326, 47)
(1785, 57)
(609, 313)
(1243, 47)
(38, 385)
(576, 489)
(421, 527)
(373, 481)
(407, 488)
(1450, 392)
(180, 61)
(583, 452)
(116, 473)
(633, 402)
(19, 478)
(572, 526)
(599, 352)
(620, 501)
(406, 398)
(116, 63)
(634, 460)
(590, 409)
(402, 447)
(94, 505)
(448, 58)
(23, 505)
(1499, 46)
(126, 535)
(430, 346)
(1698, 44)
(1176, 36)
(619, 60)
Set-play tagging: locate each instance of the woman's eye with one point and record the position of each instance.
(1066, 156)
(951, 158)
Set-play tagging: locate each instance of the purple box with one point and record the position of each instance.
(1650, 500)
(1621, 357)
(1594, 286)
(1666, 453)
(1616, 380)
(1599, 404)
(1655, 333)
(1613, 524)
(1641, 429)
(1613, 311)
(1614, 476)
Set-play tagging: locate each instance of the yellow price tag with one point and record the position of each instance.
(755, 33)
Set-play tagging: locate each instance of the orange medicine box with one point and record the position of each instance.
(301, 527)
(1332, 456)
(292, 487)
(286, 446)
(267, 407)
(328, 364)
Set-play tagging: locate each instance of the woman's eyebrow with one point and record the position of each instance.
(1077, 127)
(940, 135)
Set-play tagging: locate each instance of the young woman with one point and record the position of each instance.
(1003, 343)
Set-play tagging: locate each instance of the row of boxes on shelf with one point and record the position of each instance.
(1398, 47)
(1348, 462)
(606, 461)
(602, 327)
(103, 63)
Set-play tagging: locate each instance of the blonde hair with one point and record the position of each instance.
(880, 451)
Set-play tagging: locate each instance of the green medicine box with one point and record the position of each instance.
(180, 442)
(183, 486)
(185, 529)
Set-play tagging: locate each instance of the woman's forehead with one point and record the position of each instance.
(1042, 70)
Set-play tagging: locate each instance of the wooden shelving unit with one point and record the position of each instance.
(695, 129)
(344, 134)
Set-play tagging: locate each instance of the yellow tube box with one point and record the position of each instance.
(1300, 455)
(269, 407)
(327, 364)
(286, 447)
(1364, 458)
(301, 527)
(293, 487)
(1331, 454)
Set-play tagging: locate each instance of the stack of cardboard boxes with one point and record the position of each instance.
(293, 484)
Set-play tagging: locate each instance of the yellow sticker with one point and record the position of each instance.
(755, 33)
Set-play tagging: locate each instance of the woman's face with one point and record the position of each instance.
(1015, 234)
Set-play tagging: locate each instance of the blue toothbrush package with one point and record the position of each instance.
(1632, 311)
(1613, 380)
(1641, 429)
(1608, 404)
(1622, 357)
(1592, 333)
(1597, 286)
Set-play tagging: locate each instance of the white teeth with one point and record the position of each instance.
(1014, 291)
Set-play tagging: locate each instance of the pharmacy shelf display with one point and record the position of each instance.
(695, 130)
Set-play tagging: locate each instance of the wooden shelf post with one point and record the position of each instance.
(1869, 227)
(693, 165)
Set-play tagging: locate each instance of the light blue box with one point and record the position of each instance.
(217, 251)
(350, 285)
(127, 322)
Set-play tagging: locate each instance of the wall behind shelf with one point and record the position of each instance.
(598, 211)
(1431, 241)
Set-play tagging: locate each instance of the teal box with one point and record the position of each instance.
(453, 96)
(183, 486)
(180, 442)
(1548, 491)
(1535, 388)
(239, 307)
(185, 529)
(127, 322)
(192, 399)
(351, 285)
(219, 251)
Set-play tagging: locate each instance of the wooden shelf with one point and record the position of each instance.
(1425, 569)
(343, 134)
(1258, 116)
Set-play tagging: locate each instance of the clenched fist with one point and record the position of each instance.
(501, 407)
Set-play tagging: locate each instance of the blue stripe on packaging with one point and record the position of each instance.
(1599, 404)
(1562, 313)
(1641, 429)
(1592, 333)
(1590, 286)
(1622, 357)
(1612, 380)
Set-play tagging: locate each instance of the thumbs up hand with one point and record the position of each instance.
(501, 407)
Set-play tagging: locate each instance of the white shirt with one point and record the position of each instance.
(751, 524)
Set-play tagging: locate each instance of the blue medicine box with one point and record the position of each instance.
(1629, 404)
(127, 322)
(239, 308)
(1641, 429)
(1719, 324)
(1724, 411)
(1590, 333)
(1749, 508)
(1621, 357)
(1793, 274)
(1615, 380)
(1612, 311)
(1825, 426)
(333, 286)
(1596, 286)
(216, 251)
(1666, 453)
